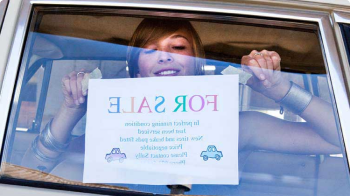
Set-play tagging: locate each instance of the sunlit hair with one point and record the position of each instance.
(153, 29)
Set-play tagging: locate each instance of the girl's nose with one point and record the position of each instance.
(165, 57)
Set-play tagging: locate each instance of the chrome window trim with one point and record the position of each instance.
(323, 19)
(9, 80)
(342, 18)
(3, 7)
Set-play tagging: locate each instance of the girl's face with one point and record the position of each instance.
(168, 56)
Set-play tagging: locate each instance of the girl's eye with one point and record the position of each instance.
(179, 47)
(149, 51)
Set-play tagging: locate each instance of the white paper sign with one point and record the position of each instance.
(162, 130)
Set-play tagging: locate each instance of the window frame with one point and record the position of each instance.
(336, 74)
(3, 8)
(341, 18)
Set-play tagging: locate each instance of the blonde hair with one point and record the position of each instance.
(153, 29)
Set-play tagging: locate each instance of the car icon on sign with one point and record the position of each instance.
(211, 153)
(114, 155)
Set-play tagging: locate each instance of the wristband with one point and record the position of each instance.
(296, 100)
(40, 155)
(50, 142)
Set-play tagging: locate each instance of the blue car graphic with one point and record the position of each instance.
(211, 153)
(114, 155)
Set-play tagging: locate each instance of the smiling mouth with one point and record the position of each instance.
(171, 72)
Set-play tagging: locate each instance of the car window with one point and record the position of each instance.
(346, 35)
(289, 138)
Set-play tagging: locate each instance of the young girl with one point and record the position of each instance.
(173, 48)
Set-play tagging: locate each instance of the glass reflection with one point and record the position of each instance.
(279, 148)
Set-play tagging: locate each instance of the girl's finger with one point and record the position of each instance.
(262, 63)
(73, 86)
(269, 63)
(66, 85)
(276, 59)
(252, 53)
(254, 67)
(80, 77)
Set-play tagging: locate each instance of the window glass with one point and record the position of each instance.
(285, 147)
(345, 28)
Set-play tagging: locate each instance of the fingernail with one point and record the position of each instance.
(76, 102)
(262, 77)
(81, 100)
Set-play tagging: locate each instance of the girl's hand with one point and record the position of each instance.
(72, 91)
(266, 70)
